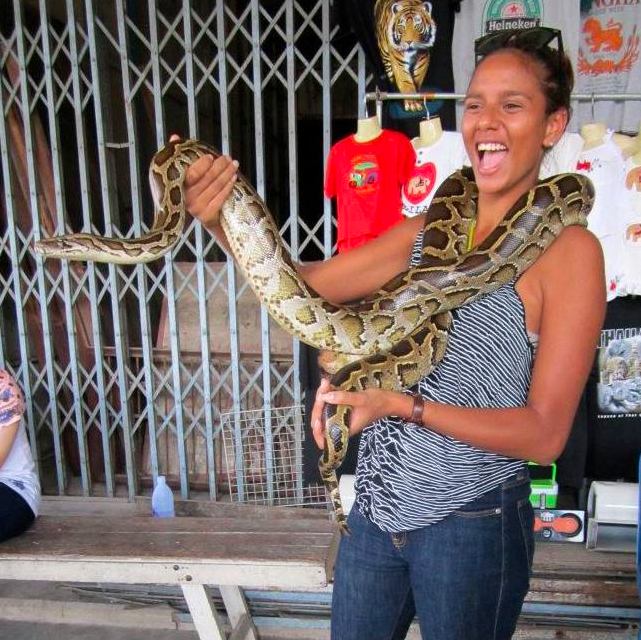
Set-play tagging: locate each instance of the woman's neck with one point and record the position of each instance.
(490, 211)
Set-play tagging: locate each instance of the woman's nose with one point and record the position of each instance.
(488, 119)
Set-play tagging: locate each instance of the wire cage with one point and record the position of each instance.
(262, 457)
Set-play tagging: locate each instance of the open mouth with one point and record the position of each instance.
(491, 155)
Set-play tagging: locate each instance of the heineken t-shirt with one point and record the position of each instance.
(479, 18)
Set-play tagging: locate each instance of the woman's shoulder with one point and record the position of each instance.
(576, 245)
(575, 260)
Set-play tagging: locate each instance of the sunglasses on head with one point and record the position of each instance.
(533, 38)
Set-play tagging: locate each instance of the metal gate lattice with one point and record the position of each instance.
(129, 372)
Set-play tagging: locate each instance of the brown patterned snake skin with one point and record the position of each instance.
(395, 337)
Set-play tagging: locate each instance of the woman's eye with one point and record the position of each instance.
(512, 106)
(471, 106)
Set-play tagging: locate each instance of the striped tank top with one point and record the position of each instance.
(408, 476)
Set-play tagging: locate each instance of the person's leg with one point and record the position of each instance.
(371, 583)
(405, 619)
(470, 572)
(15, 514)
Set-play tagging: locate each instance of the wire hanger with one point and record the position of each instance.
(365, 106)
(427, 111)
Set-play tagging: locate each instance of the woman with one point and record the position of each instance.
(442, 523)
(19, 486)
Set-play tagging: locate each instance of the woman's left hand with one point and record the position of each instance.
(367, 406)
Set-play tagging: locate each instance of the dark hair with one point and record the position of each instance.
(557, 76)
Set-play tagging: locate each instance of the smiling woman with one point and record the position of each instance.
(442, 526)
(516, 107)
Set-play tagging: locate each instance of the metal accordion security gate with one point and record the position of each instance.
(170, 367)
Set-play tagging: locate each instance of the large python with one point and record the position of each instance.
(389, 340)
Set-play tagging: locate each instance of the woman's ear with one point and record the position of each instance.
(556, 124)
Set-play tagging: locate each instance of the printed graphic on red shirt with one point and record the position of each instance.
(364, 176)
(420, 183)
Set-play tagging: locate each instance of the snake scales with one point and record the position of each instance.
(389, 340)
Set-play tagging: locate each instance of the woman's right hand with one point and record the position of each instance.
(208, 183)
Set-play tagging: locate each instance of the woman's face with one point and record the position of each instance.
(505, 128)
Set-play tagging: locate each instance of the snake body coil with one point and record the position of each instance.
(391, 339)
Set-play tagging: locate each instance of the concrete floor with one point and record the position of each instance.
(34, 631)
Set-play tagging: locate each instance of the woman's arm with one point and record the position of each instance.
(364, 270)
(573, 294)
(343, 278)
(11, 410)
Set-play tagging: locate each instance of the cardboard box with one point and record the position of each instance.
(545, 490)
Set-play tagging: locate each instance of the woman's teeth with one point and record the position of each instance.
(491, 146)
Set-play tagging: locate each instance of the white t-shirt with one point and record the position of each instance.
(433, 164)
(608, 62)
(605, 167)
(18, 471)
(478, 18)
(632, 249)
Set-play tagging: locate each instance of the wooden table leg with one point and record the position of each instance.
(203, 613)
(238, 612)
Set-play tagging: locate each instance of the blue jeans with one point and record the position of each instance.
(465, 576)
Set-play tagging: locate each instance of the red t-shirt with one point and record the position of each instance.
(366, 178)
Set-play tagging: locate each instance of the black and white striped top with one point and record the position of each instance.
(408, 476)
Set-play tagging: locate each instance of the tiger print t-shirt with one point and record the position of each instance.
(408, 476)
(432, 23)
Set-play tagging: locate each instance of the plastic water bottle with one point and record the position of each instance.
(162, 500)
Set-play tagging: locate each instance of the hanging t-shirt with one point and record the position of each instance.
(18, 470)
(632, 248)
(614, 389)
(433, 164)
(608, 62)
(478, 18)
(359, 15)
(366, 178)
(605, 167)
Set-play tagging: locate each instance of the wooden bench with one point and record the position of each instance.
(238, 548)
(578, 593)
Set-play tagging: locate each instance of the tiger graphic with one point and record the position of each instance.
(405, 32)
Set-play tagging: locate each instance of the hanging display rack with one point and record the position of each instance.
(381, 96)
